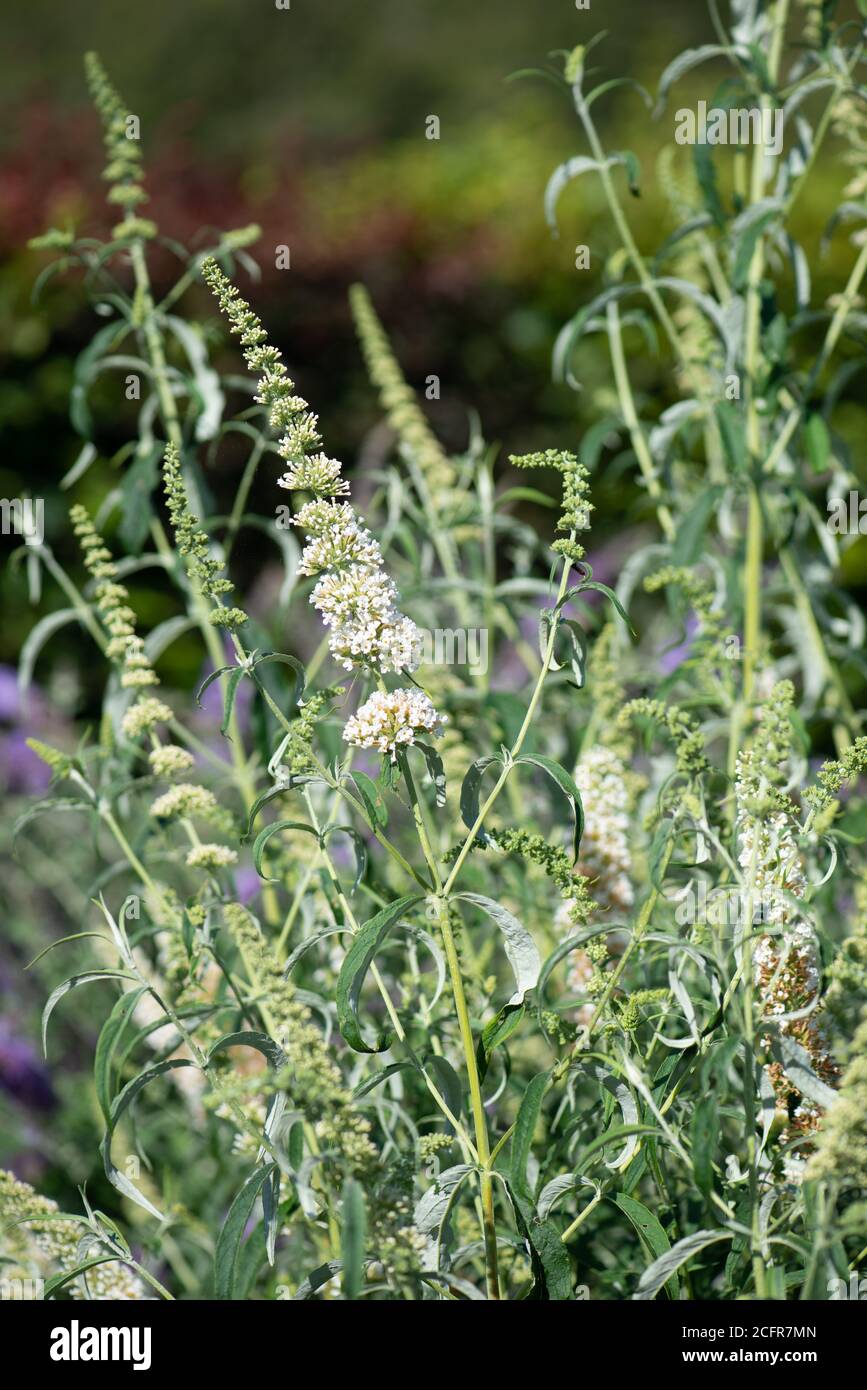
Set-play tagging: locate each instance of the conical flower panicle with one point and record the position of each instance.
(355, 597)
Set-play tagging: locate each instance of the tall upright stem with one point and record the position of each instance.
(477, 1104)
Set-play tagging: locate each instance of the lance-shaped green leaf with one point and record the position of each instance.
(211, 677)
(74, 982)
(109, 1037)
(650, 1233)
(552, 1268)
(448, 1082)
(283, 659)
(372, 798)
(52, 804)
(36, 639)
(690, 58)
(356, 964)
(566, 782)
(309, 1286)
(270, 1050)
(261, 841)
(229, 1240)
(279, 789)
(434, 1207)
(358, 845)
(574, 168)
(571, 943)
(353, 1235)
(497, 1031)
(470, 792)
(659, 1273)
(51, 1286)
(519, 945)
(435, 768)
(119, 1107)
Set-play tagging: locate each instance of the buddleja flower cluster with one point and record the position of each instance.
(355, 597)
(786, 962)
(40, 1239)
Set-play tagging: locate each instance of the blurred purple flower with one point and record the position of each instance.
(674, 657)
(247, 884)
(22, 1073)
(21, 771)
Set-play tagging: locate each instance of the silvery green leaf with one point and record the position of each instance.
(36, 639)
(160, 638)
(519, 945)
(629, 1111)
(690, 58)
(798, 1066)
(205, 379)
(433, 1206)
(317, 1280)
(671, 421)
(563, 175)
(658, 1273)
(557, 1188)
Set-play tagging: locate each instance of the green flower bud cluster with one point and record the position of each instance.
(431, 1144)
(833, 776)
(841, 1148)
(125, 649)
(124, 169)
(186, 799)
(398, 399)
(555, 861)
(169, 761)
(604, 681)
(557, 865)
(559, 1028)
(211, 856)
(311, 1075)
(701, 597)
(764, 766)
(684, 732)
(144, 715)
(60, 763)
(577, 506)
(298, 752)
(630, 1015)
(847, 975)
(203, 568)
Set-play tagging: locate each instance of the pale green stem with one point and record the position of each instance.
(477, 1105)
(633, 424)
